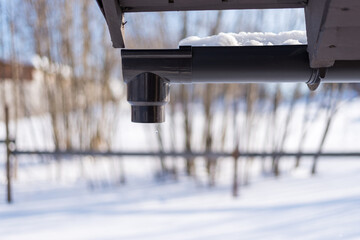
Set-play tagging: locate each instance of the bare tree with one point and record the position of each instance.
(280, 148)
(331, 110)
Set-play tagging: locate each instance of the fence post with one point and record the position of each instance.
(8, 156)
(235, 187)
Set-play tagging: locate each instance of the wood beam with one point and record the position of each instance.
(115, 20)
(187, 5)
(333, 31)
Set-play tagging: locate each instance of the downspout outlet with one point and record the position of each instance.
(147, 94)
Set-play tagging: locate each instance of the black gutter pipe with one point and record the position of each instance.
(149, 73)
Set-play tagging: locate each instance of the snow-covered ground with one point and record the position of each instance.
(296, 206)
(90, 205)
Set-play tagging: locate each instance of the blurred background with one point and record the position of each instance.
(62, 82)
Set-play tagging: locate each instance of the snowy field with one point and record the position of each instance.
(296, 206)
(89, 205)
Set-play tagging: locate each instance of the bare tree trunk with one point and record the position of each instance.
(236, 183)
(235, 187)
(15, 78)
(185, 98)
(295, 96)
(208, 138)
(190, 164)
(251, 96)
(268, 137)
(276, 102)
(225, 123)
(305, 127)
(331, 110)
(173, 135)
(43, 41)
(208, 100)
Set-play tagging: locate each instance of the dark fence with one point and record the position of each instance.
(11, 151)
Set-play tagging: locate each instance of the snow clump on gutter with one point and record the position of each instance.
(248, 39)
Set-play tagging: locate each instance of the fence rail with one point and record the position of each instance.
(210, 155)
(4, 141)
(12, 152)
(70, 153)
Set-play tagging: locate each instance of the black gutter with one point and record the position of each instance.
(148, 73)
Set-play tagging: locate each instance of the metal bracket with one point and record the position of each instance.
(315, 78)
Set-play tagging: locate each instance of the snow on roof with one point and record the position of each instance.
(248, 39)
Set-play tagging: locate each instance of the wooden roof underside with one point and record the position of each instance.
(333, 26)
